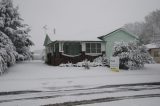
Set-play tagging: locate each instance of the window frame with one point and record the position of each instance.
(93, 47)
(72, 48)
(156, 53)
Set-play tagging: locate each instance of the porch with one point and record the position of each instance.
(73, 51)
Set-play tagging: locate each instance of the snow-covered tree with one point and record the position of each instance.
(152, 27)
(11, 24)
(135, 28)
(14, 38)
(149, 30)
(8, 53)
(132, 56)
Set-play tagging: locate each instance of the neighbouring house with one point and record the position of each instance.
(156, 39)
(154, 51)
(64, 51)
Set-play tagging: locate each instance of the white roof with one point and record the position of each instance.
(152, 45)
(74, 38)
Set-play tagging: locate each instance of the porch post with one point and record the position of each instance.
(83, 46)
(60, 46)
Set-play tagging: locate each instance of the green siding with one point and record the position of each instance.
(119, 35)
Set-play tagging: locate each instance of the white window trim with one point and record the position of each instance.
(93, 54)
(96, 48)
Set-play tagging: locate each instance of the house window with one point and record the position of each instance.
(156, 54)
(93, 47)
(57, 47)
(72, 48)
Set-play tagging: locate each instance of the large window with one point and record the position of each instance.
(93, 47)
(156, 54)
(72, 48)
(57, 47)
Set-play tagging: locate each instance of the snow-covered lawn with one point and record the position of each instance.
(131, 102)
(35, 75)
(63, 84)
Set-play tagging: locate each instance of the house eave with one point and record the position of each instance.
(122, 29)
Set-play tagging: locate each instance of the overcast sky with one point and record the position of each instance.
(80, 19)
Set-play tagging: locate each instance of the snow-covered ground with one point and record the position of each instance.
(35, 83)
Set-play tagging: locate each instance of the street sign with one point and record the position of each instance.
(114, 64)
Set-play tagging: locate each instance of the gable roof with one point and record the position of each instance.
(120, 29)
(47, 40)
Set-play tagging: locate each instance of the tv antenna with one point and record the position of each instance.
(45, 29)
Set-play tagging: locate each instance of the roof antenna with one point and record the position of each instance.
(54, 31)
(45, 29)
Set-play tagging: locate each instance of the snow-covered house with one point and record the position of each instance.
(64, 51)
(154, 51)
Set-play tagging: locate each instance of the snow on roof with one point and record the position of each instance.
(122, 29)
(74, 38)
(81, 39)
(152, 45)
(93, 35)
(78, 41)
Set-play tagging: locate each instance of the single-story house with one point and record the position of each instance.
(154, 51)
(64, 51)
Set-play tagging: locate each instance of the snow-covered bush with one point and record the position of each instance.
(66, 65)
(96, 62)
(101, 61)
(24, 54)
(132, 56)
(80, 64)
(105, 61)
(86, 64)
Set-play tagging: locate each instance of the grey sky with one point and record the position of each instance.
(80, 19)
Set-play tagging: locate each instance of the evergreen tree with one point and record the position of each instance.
(8, 53)
(14, 38)
(11, 24)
